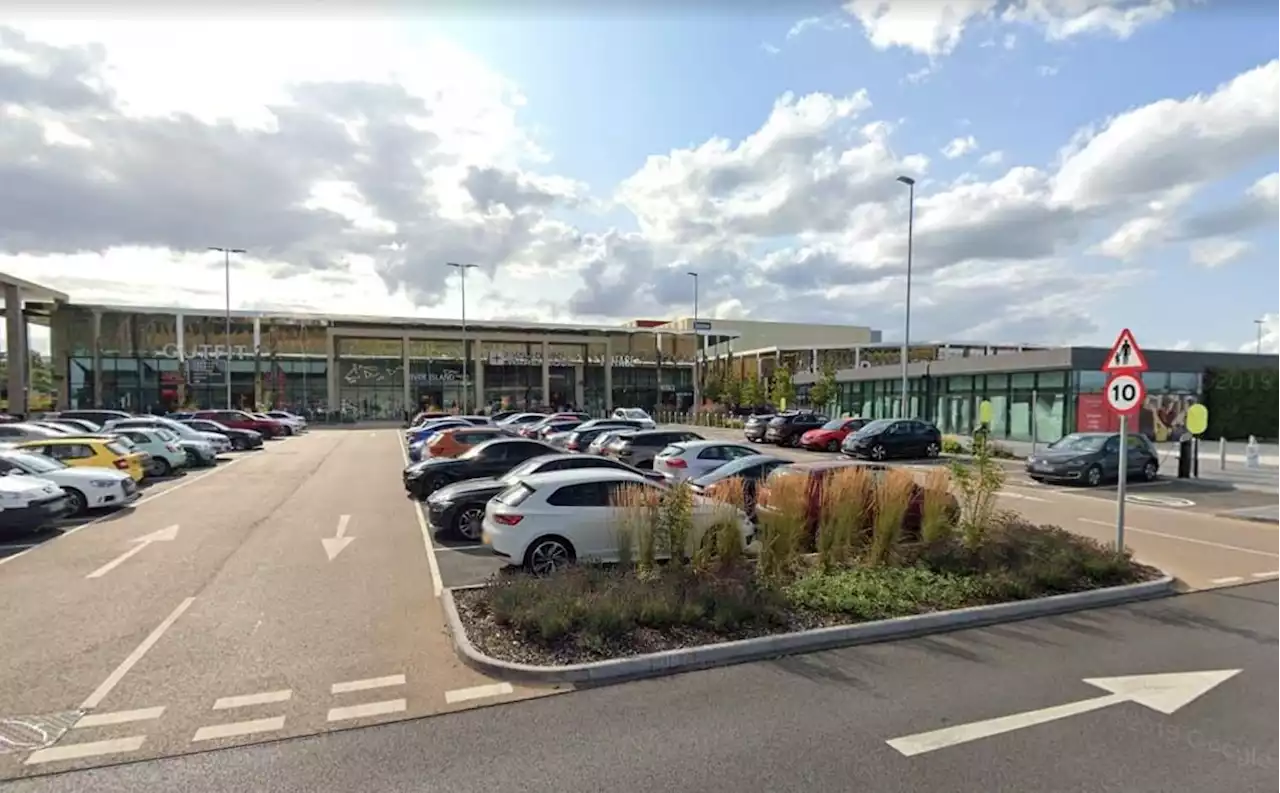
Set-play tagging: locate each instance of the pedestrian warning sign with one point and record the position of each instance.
(1125, 355)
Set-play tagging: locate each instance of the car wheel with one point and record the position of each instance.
(288, 431)
(833, 446)
(546, 555)
(239, 444)
(932, 450)
(1093, 477)
(79, 504)
(878, 452)
(468, 523)
(161, 467)
(1150, 471)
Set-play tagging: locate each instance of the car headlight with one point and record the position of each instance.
(1075, 463)
(103, 483)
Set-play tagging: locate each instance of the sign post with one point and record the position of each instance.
(1125, 394)
(1197, 423)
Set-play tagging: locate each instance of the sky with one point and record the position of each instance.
(1080, 166)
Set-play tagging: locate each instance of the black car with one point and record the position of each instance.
(588, 431)
(639, 448)
(240, 439)
(883, 439)
(751, 470)
(786, 428)
(1092, 458)
(459, 508)
(491, 458)
(754, 427)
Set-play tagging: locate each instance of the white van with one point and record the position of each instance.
(29, 504)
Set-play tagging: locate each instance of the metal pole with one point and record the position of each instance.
(226, 259)
(697, 352)
(305, 365)
(1123, 474)
(462, 274)
(1222, 454)
(1033, 421)
(906, 327)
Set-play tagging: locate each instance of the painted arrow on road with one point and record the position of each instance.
(164, 535)
(1164, 693)
(334, 545)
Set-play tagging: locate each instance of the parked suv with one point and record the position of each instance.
(639, 448)
(1091, 458)
(754, 427)
(785, 429)
(886, 438)
(240, 420)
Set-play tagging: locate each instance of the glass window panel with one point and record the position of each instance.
(1184, 382)
(1050, 410)
(1025, 380)
(1090, 382)
(1156, 382)
(1051, 380)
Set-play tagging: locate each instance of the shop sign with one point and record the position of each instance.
(216, 351)
(535, 359)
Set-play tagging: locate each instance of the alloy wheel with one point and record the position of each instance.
(878, 452)
(547, 556)
(469, 523)
(79, 504)
(1093, 476)
(932, 450)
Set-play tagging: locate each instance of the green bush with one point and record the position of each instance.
(953, 444)
(874, 593)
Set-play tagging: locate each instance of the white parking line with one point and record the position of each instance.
(115, 677)
(118, 717)
(1271, 574)
(1231, 579)
(245, 700)
(437, 587)
(368, 709)
(476, 547)
(76, 751)
(477, 692)
(1021, 497)
(237, 728)
(366, 684)
(1179, 538)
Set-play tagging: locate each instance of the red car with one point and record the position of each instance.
(829, 436)
(240, 420)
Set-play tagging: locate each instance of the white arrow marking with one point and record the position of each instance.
(334, 545)
(164, 535)
(1163, 693)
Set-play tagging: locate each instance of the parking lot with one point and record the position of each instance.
(212, 613)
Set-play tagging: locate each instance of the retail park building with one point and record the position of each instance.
(357, 367)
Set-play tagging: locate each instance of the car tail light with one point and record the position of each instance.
(508, 520)
(571, 446)
(674, 462)
(122, 464)
(173, 447)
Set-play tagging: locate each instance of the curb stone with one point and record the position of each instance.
(1251, 518)
(706, 656)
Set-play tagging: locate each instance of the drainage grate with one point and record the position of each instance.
(24, 733)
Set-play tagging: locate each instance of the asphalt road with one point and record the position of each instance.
(821, 723)
(236, 626)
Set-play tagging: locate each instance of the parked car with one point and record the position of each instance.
(609, 436)
(754, 426)
(453, 441)
(30, 503)
(16, 431)
(459, 508)
(534, 429)
(420, 440)
(165, 454)
(786, 428)
(296, 424)
(557, 427)
(1092, 458)
(202, 448)
(884, 439)
(427, 428)
(424, 416)
(639, 448)
(830, 436)
(99, 417)
(71, 425)
(85, 488)
(645, 421)
(86, 452)
(547, 521)
(496, 418)
(751, 470)
(520, 419)
(240, 440)
(241, 420)
(491, 458)
(691, 459)
(479, 421)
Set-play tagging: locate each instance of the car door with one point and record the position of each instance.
(1111, 457)
(585, 514)
(1137, 457)
(707, 460)
(73, 454)
(922, 435)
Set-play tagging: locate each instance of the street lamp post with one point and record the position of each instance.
(697, 351)
(906, 326)
(1258, 346)
(226, 264)
(462, 274)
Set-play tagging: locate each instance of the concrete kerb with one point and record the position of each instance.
(728, 653)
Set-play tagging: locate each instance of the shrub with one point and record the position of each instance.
(884, 592)
(675, 523)
(953, 444)
(844, 510)
(637, 518)
(783, 524)
(976, 485)
(935, 512)
(892, 499)
(726, 538)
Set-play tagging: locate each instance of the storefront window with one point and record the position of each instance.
(370, 348)
(1090, 382)
(371, 388)
(512, 375)
(1156, 382)
(1184, 382)
(1050, 416)
(281, 337)
(1051, 380)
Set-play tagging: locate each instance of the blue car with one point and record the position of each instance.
(418, 447)
(421, 433)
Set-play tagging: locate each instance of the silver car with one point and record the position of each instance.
(692, 459)
(19, 431)
(605, 438)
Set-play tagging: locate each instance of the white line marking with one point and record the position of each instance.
(118, 717)
(75, 751)
(1022, 497)
(366, 684)
(368, 709)
(238, 728)
(245, 700)
(437, 587)
(476, 547)
(1271, 574)
(477, 692)
(101, 692)
(1231, 579)
(1179, 538)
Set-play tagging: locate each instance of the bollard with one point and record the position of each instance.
(1251, 454)
(1222, 454)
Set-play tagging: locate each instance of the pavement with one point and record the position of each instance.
(213, 614)
(823, 722)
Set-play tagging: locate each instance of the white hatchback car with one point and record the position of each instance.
(86, 488)
(544, 522)
(635, 414)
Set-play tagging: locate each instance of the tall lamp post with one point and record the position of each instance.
(1258, 346)
(226, 264)
(906, 327)
(697, 351)
(462, 274)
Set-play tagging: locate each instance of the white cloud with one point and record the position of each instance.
(991, 158)
(1047, 71)
(1217, 251)
(958, 147)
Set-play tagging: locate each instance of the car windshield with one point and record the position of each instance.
(35, 463)
(833, 424)
(475, 451)
(635, 413)
(731, 468)
(523, 469)
(117, 447)
(873, 427)
(165, 435)
(1078, 443)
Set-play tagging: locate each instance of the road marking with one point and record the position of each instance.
(477, 692)
(1022, 497)
(367, 709)
(76, 751)
(334, 545)
(476, 547)
(115, 677)
(366, 684)
(245, 700)
(1180, 538)
(433, 566)
(237, 728)
(1231, 579)
(163, 535)
(1271, 574)
(118, 717)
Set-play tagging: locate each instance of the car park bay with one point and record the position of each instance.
(216, 613)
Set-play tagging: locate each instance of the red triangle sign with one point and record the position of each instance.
(1125, 355)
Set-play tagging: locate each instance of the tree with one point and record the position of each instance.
(752, 391)
(731, 388)
(712, 386)
(783, 390)
(826, 389)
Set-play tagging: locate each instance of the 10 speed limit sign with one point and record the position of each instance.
(1125, 393)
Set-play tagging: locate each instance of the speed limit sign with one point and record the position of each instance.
(1125, 393)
